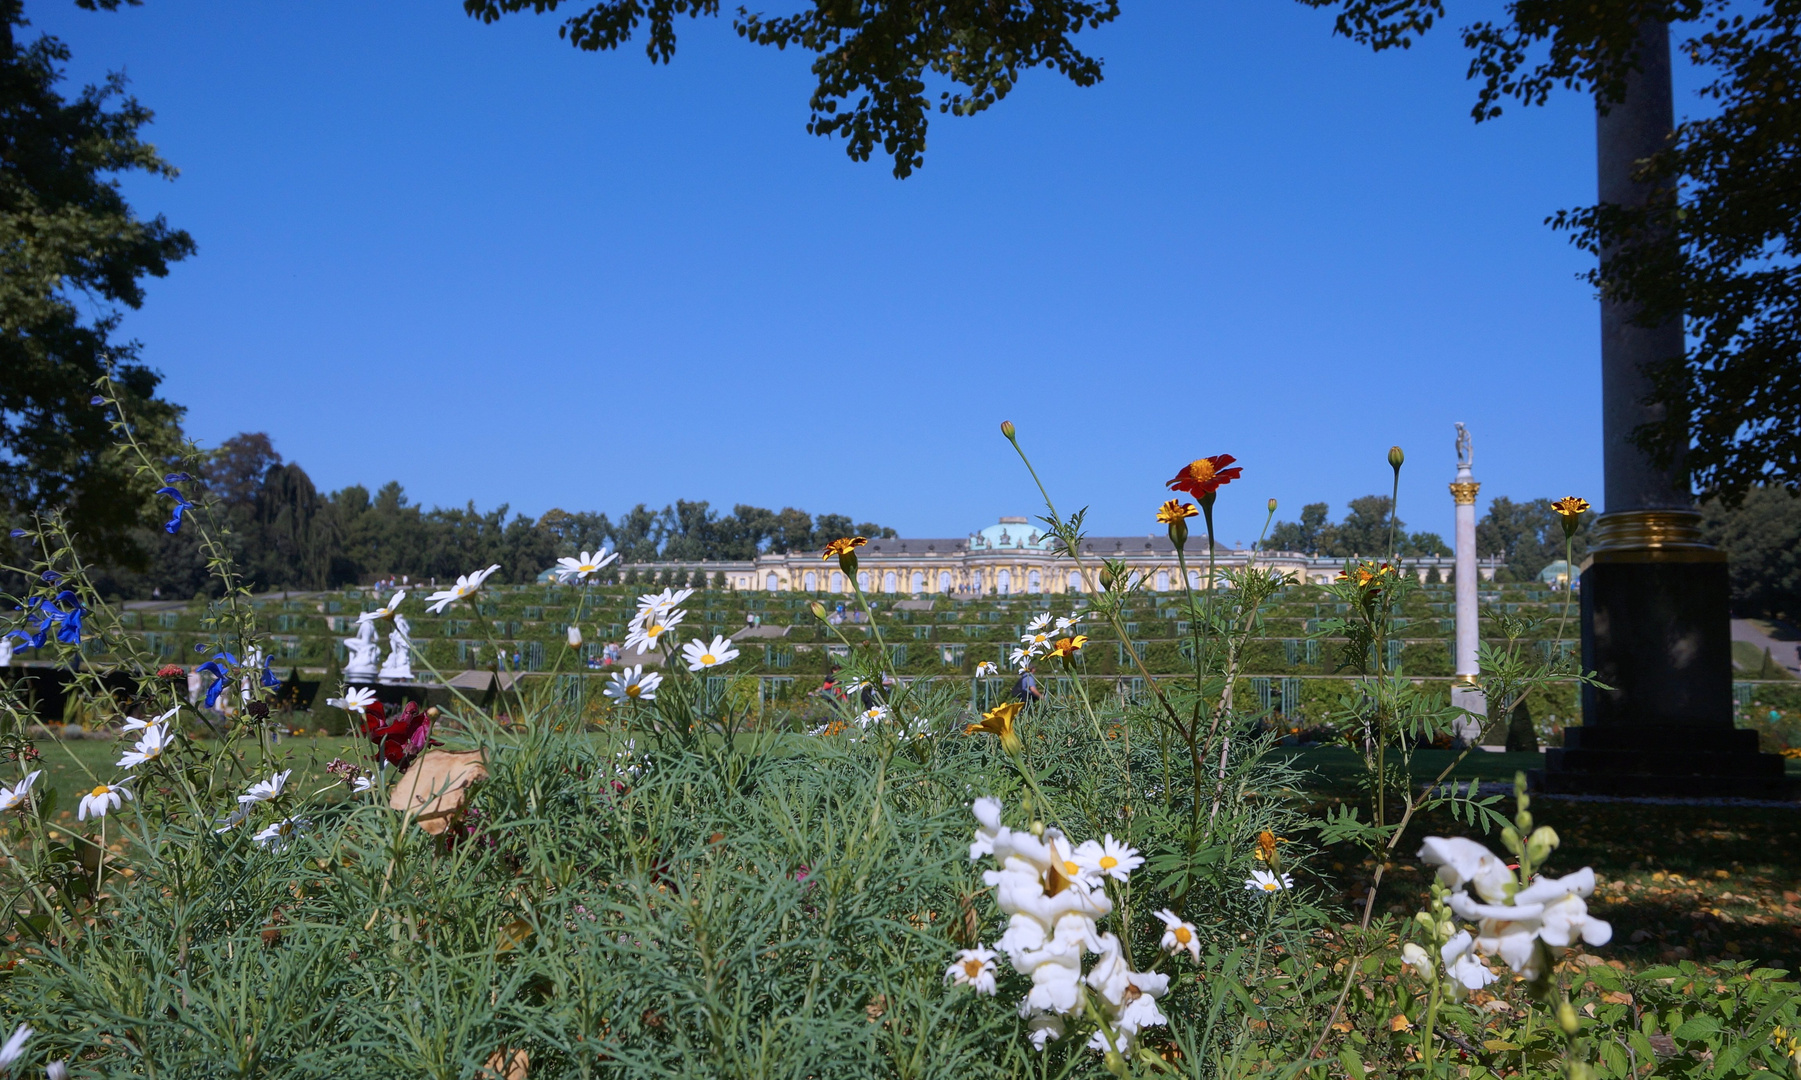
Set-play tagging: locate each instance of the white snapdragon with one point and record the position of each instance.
(1548, 911)
(1052, 893)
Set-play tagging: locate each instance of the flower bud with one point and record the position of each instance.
(1426, 921)
(1107, 578)
(1567, 1019)
(1510, 839)
(1178, 533)
(1395, 457)
(1007, 429)
(1037, 828)
(1272, 506)
(1114, 1063)
(575, 636)
(818, 610)
(1541, 843)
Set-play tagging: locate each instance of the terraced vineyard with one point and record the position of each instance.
(1290, 667)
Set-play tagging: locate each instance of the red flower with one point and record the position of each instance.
(402, 739)
(1203, 476)
(171, 671)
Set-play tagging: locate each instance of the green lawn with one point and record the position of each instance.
(71, 768)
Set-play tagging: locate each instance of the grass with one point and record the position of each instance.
(72, 767)
(1678, 882)
(1707, 883)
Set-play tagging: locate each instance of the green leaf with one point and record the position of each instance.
(1353, 1065)
(1699, 1027)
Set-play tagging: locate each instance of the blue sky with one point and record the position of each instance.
(475, 260)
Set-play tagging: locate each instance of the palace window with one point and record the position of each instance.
(1075, 581)
(1034, 583)
(919, 582)
(888, 581)
(863, 580)
(1163, 581)
(837, 581)
(812, 581)
(1003, 582)
(944, 581)
(769, 582)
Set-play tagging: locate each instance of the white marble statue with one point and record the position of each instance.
(399, 666)
(365, 654)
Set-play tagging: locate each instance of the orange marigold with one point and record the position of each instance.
(1203, 476)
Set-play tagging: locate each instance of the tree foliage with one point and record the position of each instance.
(72, 252)
(285, 533)
(872, 60)
(1363, 532)
(1762, 540)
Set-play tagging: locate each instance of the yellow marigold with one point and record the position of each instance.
(999, 721)
(844, 545)
(1175, 510)
(1570, 506)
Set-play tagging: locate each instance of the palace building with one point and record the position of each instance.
(1015, 557)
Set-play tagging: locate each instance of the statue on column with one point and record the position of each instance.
(365, 654)
(1465, 458)
(399, 666)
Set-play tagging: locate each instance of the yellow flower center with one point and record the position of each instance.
(1270, 886)
(633, 690)
(1183, 937)
(1070, 868)
(1108, 862)
(1201, 470)
(99, 791)
(655, 630)
(972, 969)
(708, 658)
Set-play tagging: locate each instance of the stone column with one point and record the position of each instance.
(1655, 619)
(1464, 692)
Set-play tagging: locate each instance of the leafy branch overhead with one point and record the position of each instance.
(873, 59)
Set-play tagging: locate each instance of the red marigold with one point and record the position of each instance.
(1203, 476)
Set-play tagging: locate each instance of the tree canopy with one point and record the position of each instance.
(72, 252)
(1363, 532)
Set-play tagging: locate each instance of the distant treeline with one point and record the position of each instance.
(285, 533)
(1761, 537)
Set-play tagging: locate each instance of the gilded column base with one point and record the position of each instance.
(1629, 536)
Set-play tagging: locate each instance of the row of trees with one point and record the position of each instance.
(1761, 536)
(285, 533)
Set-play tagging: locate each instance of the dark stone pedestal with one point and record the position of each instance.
(1658, 634)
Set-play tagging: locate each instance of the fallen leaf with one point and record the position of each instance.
(507, 1065)
(1400, 1023)
(435, 788)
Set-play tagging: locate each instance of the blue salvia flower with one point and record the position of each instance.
(176, 478)
(221, 673)
(181, 504)
(96, 400)
(270, 679)
(18, 533)
(69, 632)
(50, 575)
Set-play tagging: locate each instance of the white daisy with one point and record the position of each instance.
(357, 699)
(148, 748)
(1019, 658)
(132, 723)
(362, 784)
(1264, 881)
(986, 668)
(1036, 641)
(466, 586)
(266, 790)
(875, 714)
(278, 834)
(580, 566)
(1109, 858)
(1064, 622)
(13, 796)
(386, 611)
(701, 655)
(973, 968)
(662, 601)
(97, 802)
(633, 684)
(575, 636)
(1042, 620)
(647, 634)
(15, 1047)
(1179, 935)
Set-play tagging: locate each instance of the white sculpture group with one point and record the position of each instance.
(365, 662)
